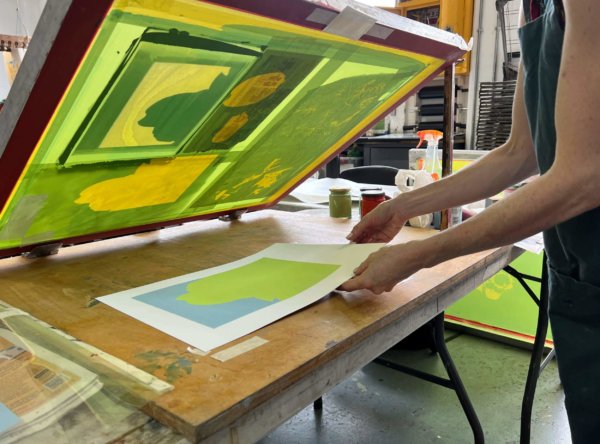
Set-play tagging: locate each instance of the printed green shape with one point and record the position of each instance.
(266, 279)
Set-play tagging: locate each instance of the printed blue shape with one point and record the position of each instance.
(212, 316)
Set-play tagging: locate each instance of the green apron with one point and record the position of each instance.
(573, 247)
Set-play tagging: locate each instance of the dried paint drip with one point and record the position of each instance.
(172, 365)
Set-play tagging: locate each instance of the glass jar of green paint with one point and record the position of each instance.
(340, 202)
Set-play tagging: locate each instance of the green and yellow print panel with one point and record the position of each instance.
(183, 108)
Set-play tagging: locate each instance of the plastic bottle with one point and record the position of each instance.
(430, 171)
(418, 178)
(433, 166)
(432, 163)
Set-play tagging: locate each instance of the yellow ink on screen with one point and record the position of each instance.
(254, 90)
(156, 183)
(233, 125)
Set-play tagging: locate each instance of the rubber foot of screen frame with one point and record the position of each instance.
(43, 251)
(236, 215)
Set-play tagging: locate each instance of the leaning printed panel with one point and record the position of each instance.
(185, 109)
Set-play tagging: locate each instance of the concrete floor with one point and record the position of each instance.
(379, 405)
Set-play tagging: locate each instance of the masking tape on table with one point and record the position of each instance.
(236, 350)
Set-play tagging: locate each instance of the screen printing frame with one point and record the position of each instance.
(67, 29)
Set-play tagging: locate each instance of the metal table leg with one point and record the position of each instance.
(454, 382)
(318, 404)
(461, 392)
(536, 365)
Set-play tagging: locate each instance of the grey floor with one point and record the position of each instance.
(379, 405)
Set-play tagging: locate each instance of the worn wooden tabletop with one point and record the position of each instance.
(243, 398)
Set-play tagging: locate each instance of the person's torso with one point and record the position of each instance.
(573, 247)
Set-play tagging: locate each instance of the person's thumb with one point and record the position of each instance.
(351, 284)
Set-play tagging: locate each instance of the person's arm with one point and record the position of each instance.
(568, 189)
(502, 167)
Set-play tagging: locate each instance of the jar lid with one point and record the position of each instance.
(339, 190)
(373, 193)
(374, 187)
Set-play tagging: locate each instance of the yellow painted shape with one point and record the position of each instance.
(255, 89)
(260, 181)
(496, 286)
(266, 178)
(159, 182)
(222, 195)
(162, 80)
(492, 294)
(232, 126)
(419, 78)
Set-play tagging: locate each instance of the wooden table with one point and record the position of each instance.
(306, 355)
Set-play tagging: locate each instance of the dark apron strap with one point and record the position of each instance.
(560, 9)
(527, 10)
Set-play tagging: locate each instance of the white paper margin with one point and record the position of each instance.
(348, 256)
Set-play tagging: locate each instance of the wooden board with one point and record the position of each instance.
(239, 400)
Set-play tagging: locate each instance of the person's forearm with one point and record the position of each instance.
(493, 173)
(541, 204)
(502, 167)
(570, 187)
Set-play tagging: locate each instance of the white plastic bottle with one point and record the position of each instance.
(418, 178)
(432, 162)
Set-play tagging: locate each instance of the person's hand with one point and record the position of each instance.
(382, 270)
(380, 225)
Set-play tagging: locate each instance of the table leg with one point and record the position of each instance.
(536, 365)
(458, 386)
(318, 404)
(454, 382)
